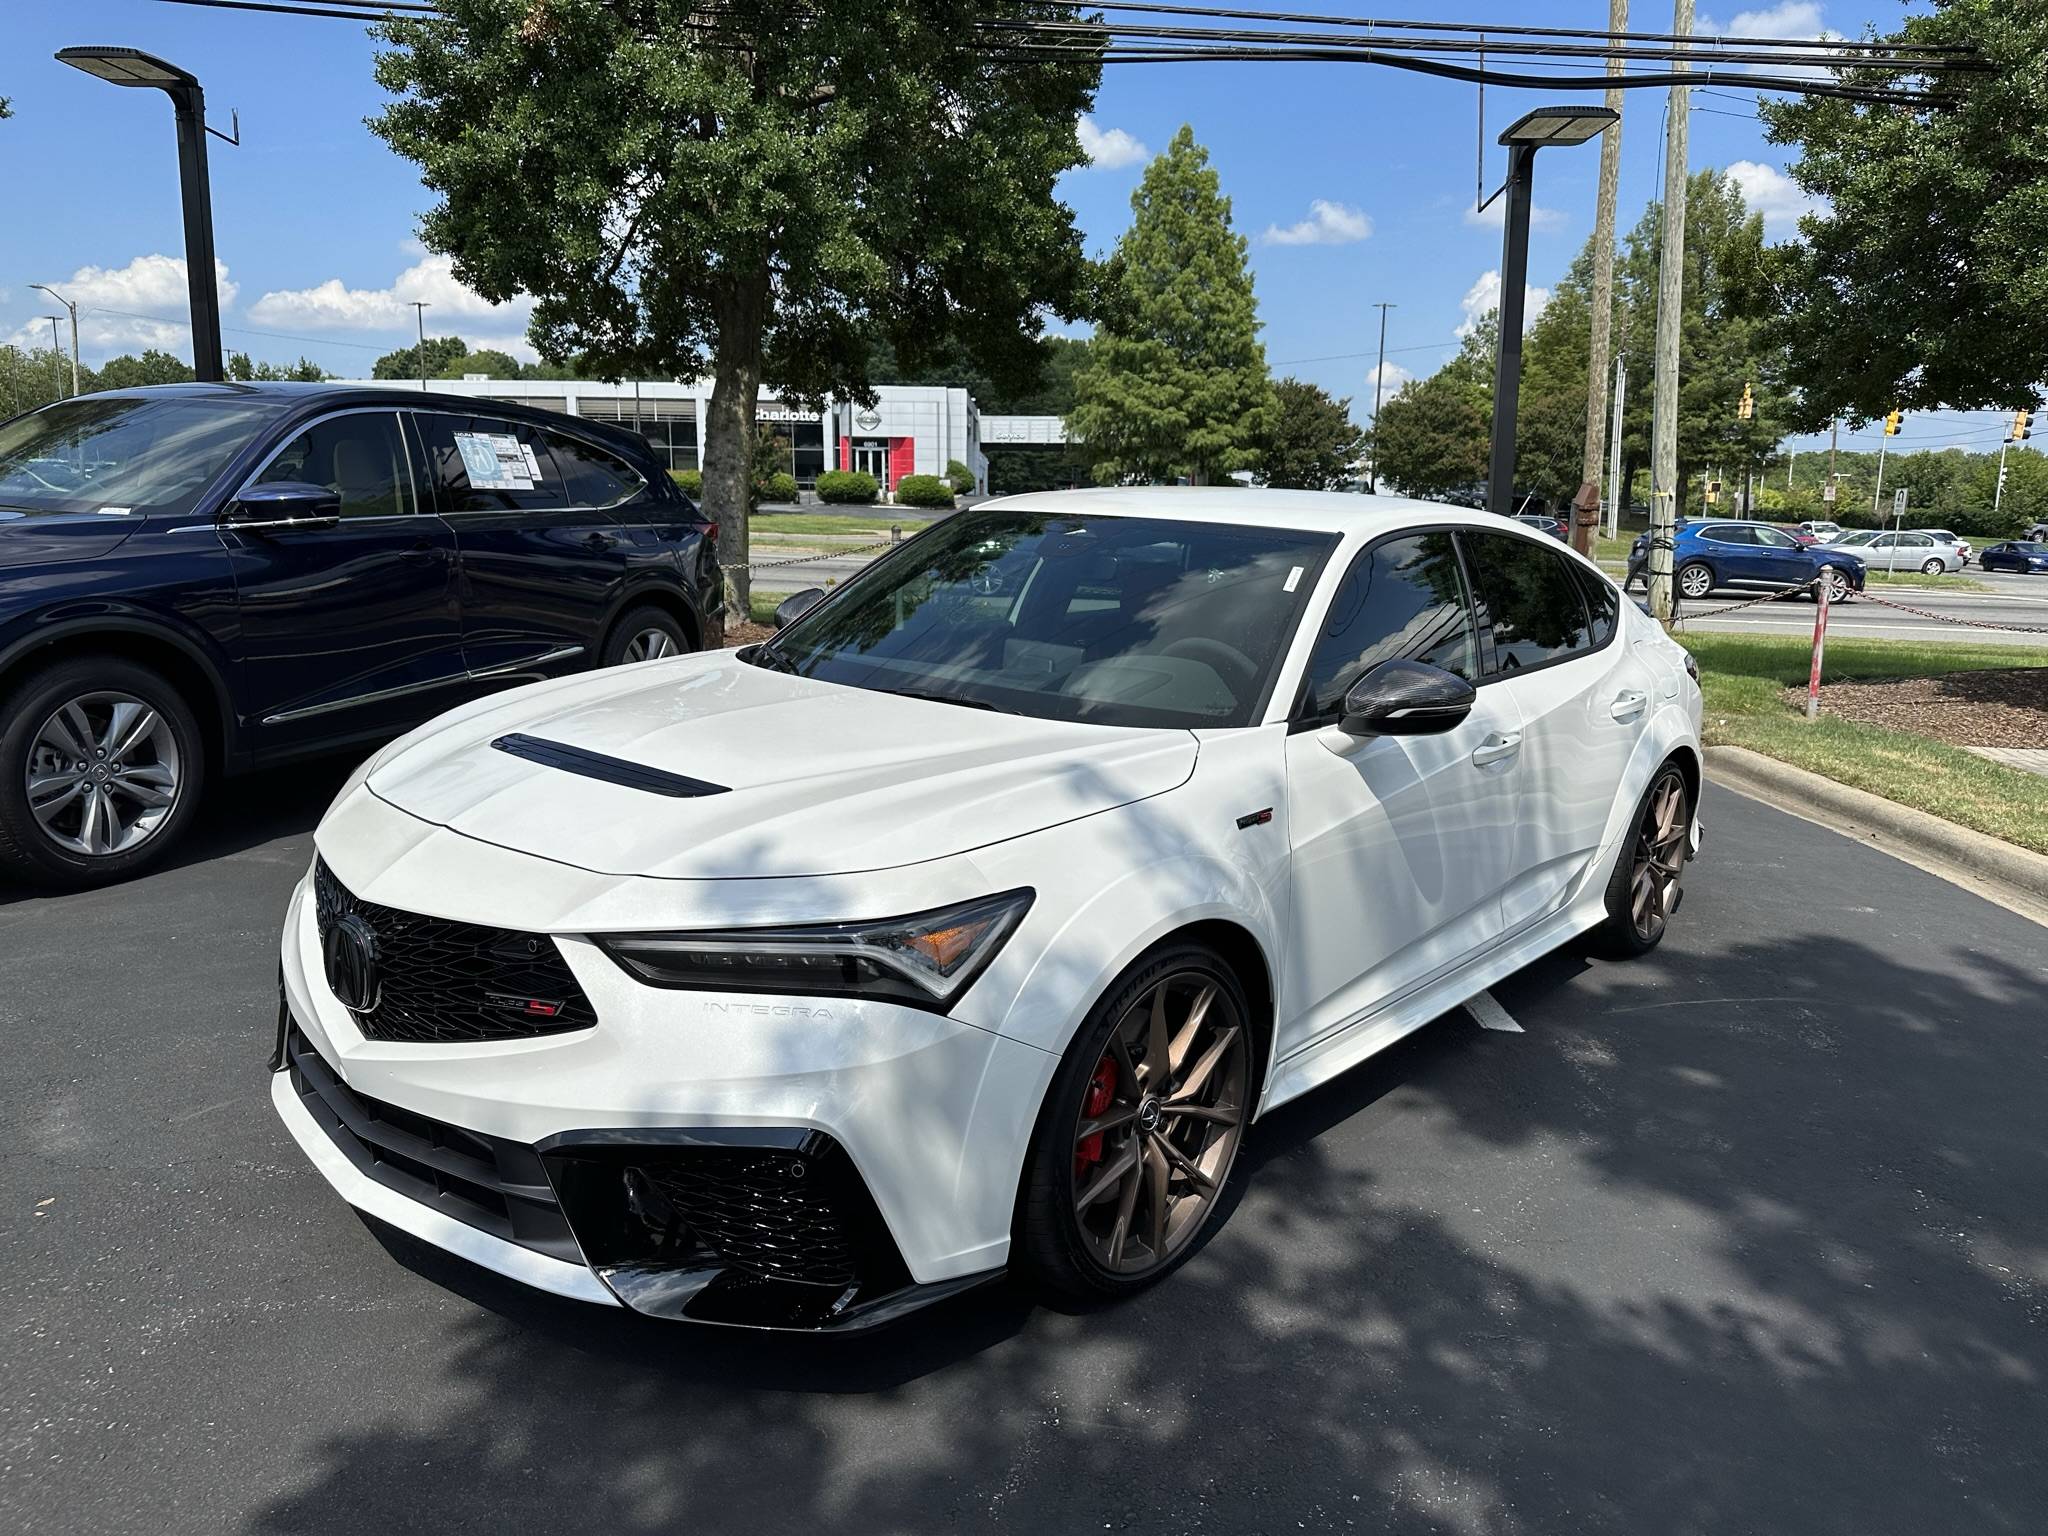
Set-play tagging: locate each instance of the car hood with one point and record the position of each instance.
(817, 778)
(50, 538)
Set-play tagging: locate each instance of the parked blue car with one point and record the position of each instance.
(200, 579)
(2023, 555)
(1708, 556)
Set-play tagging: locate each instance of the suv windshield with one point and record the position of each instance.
(1068, 616)
(106, 453)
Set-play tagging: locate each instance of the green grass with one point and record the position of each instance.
(1743, 678)
(1918, 579)
(826, 522)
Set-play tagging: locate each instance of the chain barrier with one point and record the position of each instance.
(811, 559)
(1684, 614)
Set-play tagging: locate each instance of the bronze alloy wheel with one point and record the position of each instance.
(1159, 1121)
(1659, 857)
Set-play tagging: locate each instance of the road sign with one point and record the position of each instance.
(1898, 503)
(1827, 492)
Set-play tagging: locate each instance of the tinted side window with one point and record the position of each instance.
(1404, 598)
(1726, 533)
(1527, 598)
(1603, 603)
(358, 456)
(485, 465)
(590, 476)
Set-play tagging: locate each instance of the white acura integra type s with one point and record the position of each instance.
(970, 922)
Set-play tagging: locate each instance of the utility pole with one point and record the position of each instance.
(419, 312)
(1670, 311)
(1998, 494)
(1603, 279)
(72, 309)
(1379, 378)
(1617, 493)
(1878, 494)
(56, 348)
(1790, 459)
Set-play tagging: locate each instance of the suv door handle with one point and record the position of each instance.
(1629, 703)
(1501, 744)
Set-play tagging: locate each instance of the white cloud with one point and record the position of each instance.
(1790, 19)
(144, 304)
(1390, 376)
(332, 306)
(1109, 148)
(1770, 192)
(1483, 297)
(1542, 220)
(1327, 223)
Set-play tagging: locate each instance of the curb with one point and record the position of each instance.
(2017, 877)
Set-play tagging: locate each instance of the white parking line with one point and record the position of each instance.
(1488, 1014)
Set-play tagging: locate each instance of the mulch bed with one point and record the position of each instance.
(745, 632)
(1966, 709)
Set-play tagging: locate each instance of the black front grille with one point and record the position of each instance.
(486, 1182)
(443, 981)
(766, 1212)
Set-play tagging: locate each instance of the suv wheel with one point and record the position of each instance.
(1837, 584)
(101, 765)
(1695, 579)
(645, 634)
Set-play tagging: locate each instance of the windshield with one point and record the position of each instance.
(1110, 620)
(115, 454)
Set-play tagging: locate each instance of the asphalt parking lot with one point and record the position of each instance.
(1747, 1237)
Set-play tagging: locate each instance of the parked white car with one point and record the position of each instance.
(970, 921)
(1882, 550)
(1824, 531)
(1943, 536)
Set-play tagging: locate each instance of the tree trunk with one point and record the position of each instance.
(728, 433)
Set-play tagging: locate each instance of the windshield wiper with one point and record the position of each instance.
(947, 698)
(769, 661)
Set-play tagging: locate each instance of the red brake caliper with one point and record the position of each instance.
(1101, 1089)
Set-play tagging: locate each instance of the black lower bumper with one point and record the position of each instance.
(768, 1227)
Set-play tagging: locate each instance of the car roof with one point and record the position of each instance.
(1340, 512)
(283, 394)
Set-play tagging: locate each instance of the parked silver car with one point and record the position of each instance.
(1943, 536)
(1882, 550)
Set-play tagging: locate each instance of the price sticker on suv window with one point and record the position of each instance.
(496, 461)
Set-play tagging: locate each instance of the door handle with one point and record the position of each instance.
(1501, 744)
(1629, 703)
(424, 549)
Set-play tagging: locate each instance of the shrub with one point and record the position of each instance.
(961, 476)
(846, 487)
(780, 487)
(924, 491)
(691, 480)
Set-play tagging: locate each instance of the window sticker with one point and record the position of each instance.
(496, 461)
(1293, 579)
(115, 511)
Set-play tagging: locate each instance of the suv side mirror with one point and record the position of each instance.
(1406, 698)
(796, 605)
(283, 504)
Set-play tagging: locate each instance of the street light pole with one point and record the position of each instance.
(1379, 378)
(132, 67)
(72, 310)
(1523, 137)
(1670, 313)
(419, 313)
(1603, 283)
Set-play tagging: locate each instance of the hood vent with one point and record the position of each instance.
(612, 770)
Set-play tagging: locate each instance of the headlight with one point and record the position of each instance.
(922, 961)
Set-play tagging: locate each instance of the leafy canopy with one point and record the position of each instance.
(1921, 280)
(1175, 381)
(1311, 442)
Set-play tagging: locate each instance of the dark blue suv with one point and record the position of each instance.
(1707, 555)
(201, 579)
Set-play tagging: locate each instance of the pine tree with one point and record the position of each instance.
(1175, 383)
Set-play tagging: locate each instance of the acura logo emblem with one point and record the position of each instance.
(350, 951)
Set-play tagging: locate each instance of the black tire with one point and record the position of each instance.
(29, 848)
(1621, 936)
(1701, 571)
(1933, 568)
(1047, 1241)
(629, 640)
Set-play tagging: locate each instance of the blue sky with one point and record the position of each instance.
(1354, 185)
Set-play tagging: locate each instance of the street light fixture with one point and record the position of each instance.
(131, 66)
(1523, 137)
(72, 310)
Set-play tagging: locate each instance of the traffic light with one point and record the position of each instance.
(1891, 423)
(1713, 492)
(1747, 408)
(2022, 426)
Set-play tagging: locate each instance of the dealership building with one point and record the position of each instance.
(911, 429)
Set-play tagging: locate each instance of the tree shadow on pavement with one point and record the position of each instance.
(1676, 1260)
